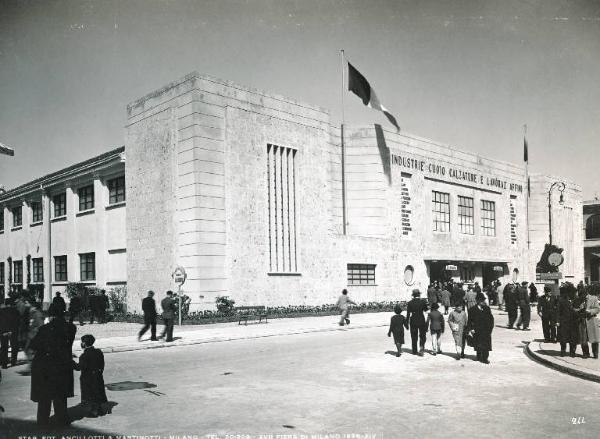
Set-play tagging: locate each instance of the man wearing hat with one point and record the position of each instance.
(523, 297)
(416, 319)
(481, 325)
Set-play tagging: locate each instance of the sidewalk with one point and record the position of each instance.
(122, 337)
(549, 355)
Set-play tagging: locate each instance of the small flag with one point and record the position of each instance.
(6, 150)
(525, 152)
(359, 85)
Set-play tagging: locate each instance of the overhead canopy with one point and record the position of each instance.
(466, 259)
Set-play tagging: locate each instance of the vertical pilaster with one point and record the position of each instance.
(72, 254)
(100, 201)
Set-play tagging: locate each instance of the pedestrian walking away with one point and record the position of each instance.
(481, 324)
(510, 301)
(149, 309)
(52, 367)
(59, 303)
(397, 325)
(524, 306)
(445, 295)
(9, 335)
(435, 322)
(343, 303)
(547, 309)
(169, 308)
(457, 320)
(416, 320)
(91, 365)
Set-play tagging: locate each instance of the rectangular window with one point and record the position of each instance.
(87, 266)
(488, 218)
(465, 215)
(38, 269)
(60, 268)
(18, 272)
(116, 190)
(60, 205)
(1, 273)
(441, 211)
(86, 198)
(37, 214)
(361, 274)
(281, 195)
(1, 219)
(17, 213)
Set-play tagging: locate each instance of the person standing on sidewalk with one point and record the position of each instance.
(343, 305)
(457, 320)
(524, 307)
(149, 309)
(470, 299)
(416, 320)
(168, 315)
(547, 309)
(510, 301)
(481, 324)
(592, 308)
(397, 325)
(75, 309)
(567, 324)
(91, 381)
(435, 322)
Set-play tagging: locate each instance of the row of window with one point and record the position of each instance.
(87, 269)
(466, 214)
(85, 195)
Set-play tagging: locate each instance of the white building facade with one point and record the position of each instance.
(247, 192)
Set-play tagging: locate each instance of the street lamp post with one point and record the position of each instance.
(561, 187)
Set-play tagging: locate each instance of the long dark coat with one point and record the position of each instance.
(482, 322)
(397, 325)
(91, 365)
(52, 366)
(414, 313)
(568, 330)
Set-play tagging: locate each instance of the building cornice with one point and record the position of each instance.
(65, 175)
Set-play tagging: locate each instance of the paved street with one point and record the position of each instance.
(339, 382)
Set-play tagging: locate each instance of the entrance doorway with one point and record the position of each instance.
(595, 269)
(491, 272)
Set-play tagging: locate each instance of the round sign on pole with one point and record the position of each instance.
(179, 275)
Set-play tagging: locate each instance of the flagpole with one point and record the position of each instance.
(527, 199)
(344, 213)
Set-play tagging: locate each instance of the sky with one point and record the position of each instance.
(468, 74)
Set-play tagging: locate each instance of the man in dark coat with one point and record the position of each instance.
(149, 309)
(567, 324)
(52, 367)
(168, 315)
(91, 381)
(59, 303)
(416, 319)
(10, 320)
(103, 305)
(523, 302)
(481, 325)
(432, 295)
(75, 309)
(547, 308)
(510, 301)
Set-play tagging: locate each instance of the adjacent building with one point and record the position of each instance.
(253, 195)
(591, 243)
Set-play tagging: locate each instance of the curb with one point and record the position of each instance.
(141, 347)
(564, 369)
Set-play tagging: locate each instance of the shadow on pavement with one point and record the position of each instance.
(129, 385)
(80, 411)
(13, 428)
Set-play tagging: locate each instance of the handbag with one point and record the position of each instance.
(470, 340)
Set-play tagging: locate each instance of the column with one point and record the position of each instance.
(100, 202)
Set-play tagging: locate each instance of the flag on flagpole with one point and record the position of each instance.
(525, 151)
(359, 85)
(6, 150)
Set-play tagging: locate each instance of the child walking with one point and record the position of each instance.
(397, 325)
(435, 322)
(91, 365)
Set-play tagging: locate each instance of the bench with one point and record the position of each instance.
(252, 311)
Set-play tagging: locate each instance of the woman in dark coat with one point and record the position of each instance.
(91, 365)
(51, 368)
(481, 324)
(397, 325)
(568, 329)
